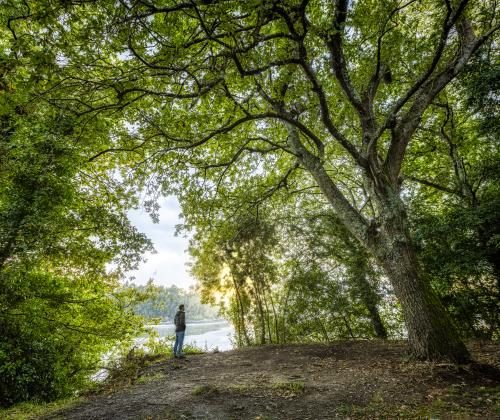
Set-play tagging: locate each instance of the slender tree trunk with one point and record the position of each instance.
(275, 315)
(376, 321)
(365, 292)
(284, 313)
(241, 313)
(323, 330)
(261, 317)
(268, 321)
(349, 329)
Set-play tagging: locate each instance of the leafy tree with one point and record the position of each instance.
(327, 239)
(455, 206)
(310, 85)
(60, 304)
(292, 274)
(236, 260)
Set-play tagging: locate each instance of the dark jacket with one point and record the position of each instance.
(180, 321)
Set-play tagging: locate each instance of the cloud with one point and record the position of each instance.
(168, 265)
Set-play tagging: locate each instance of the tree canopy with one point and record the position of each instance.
(288, 130)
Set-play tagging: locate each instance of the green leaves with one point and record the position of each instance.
(62, 223)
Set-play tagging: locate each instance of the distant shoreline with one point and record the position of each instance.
(197, 322)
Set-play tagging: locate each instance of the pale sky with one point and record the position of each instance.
(168, 266)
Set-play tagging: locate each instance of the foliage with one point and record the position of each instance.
(235, 263)
(297, 280)
(29, 410)
(63, 241)
(127, 365)
(455, 202)
(227, 104)
(222, 95)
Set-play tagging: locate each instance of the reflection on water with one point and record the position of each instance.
(206, 335)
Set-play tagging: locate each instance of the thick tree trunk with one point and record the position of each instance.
(431, 332)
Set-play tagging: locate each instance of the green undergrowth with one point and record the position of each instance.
(124, 368)
(206, 390)
(289, 386)
(284, 389)
(129, 368)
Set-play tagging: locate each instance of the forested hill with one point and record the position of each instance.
(164, 302)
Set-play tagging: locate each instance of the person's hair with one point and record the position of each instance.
(181, 307)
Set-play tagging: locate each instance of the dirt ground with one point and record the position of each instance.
(359, 379)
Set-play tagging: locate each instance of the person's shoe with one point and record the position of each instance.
(181, 357)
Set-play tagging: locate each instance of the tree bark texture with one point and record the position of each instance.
(431, 332)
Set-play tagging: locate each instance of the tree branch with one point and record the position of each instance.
(334, 44)
(432, 184)
(407, 124)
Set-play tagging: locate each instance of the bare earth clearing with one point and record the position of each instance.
(359, 379)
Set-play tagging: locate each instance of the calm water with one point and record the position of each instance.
(206, 335)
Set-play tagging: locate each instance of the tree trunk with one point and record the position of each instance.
(241, 313)
(376, 321)
(349, 329)
(261, 317)
(364, 291)
(431, 332)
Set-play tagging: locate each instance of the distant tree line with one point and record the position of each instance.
(163, 302)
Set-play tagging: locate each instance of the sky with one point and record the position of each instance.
(167, 266)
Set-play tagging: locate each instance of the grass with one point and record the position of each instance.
(290, 386)
(242, 388)
(144, 379)
(29, 410)
(454, 404)
(205, 390)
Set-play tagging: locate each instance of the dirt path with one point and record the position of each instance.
(364, 379)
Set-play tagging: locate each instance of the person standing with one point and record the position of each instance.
(180, 329)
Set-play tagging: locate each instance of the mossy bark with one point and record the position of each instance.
(431, 332)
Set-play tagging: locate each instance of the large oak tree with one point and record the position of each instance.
(311, 85)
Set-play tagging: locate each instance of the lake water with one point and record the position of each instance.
(207, 335)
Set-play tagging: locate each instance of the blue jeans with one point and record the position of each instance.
(179, 340)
